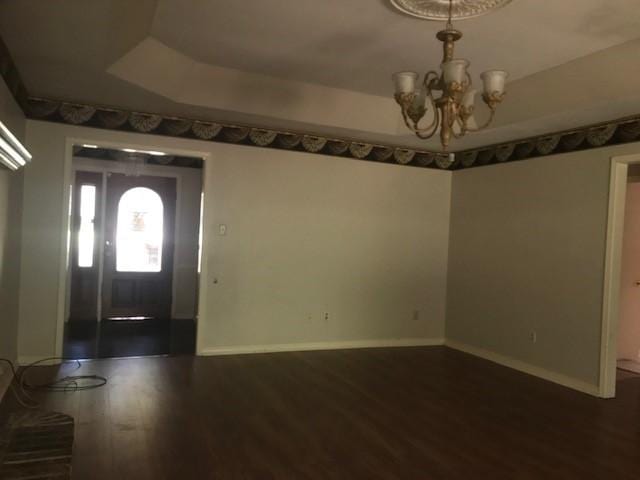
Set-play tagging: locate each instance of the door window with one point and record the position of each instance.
(139, 231)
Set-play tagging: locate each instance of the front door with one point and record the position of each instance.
(139, 244)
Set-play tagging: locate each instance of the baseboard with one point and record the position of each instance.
(25, 360)
(299, 347)
(525, 367)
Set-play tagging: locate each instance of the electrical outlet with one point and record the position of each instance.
(326, 315)
(416, 314)
(533, 336)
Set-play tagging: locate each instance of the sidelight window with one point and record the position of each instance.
(86, 231)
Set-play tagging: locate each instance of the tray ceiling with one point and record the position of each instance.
(323, 65)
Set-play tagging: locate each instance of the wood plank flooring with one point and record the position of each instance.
(410, 413)
(128, 338)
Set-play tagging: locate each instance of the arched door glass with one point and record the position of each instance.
(139, 231)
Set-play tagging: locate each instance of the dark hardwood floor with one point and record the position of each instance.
(128, 338)
(410, 413)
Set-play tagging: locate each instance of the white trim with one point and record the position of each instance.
(177, 227)
(525, 367)
(207, 241)
(64, 238)
(101, 245)
(72, 199)
(25, 360)
(612, 271)
(300, 347)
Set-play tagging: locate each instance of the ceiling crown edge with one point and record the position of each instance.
(597, 135)
(114, 118)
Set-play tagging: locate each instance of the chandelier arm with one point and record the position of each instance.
(434, 108)
(423, 133)
(435, 124)
(427, 84)
(413, 126)
(433, 128)
(461, 123)
(463, 128)
(486, 124)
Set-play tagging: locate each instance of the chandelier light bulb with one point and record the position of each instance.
(405, 82)
(469, 98)
(420, 98)
(494, 81)
(454, 71)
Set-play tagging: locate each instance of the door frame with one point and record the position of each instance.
(612, 271)
(64, 270)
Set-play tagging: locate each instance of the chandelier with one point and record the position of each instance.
(455, 104)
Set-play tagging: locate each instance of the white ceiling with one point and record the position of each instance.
(322, 65)
(357, 44)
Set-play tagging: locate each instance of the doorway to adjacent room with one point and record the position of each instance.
(628, 342)
(134, 253)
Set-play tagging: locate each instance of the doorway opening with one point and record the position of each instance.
(134, 253)
(628, 337)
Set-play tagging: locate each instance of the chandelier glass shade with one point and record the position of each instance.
(449, 94)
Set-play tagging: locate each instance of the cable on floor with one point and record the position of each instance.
(69, 383)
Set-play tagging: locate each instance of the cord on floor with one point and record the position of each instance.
(69, 383)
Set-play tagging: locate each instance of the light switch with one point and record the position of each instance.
(222, 229)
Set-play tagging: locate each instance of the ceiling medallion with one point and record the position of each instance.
(439, 9)
(452, 111)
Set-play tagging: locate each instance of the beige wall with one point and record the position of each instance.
(367, 244)
(9, 262)
(10, 208)
(527, 255)
(43, 221)
(629, 321)
(187, 237)
(306, 234)
(10, 203)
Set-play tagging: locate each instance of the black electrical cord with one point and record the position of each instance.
(64, 384)
(69, 383)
